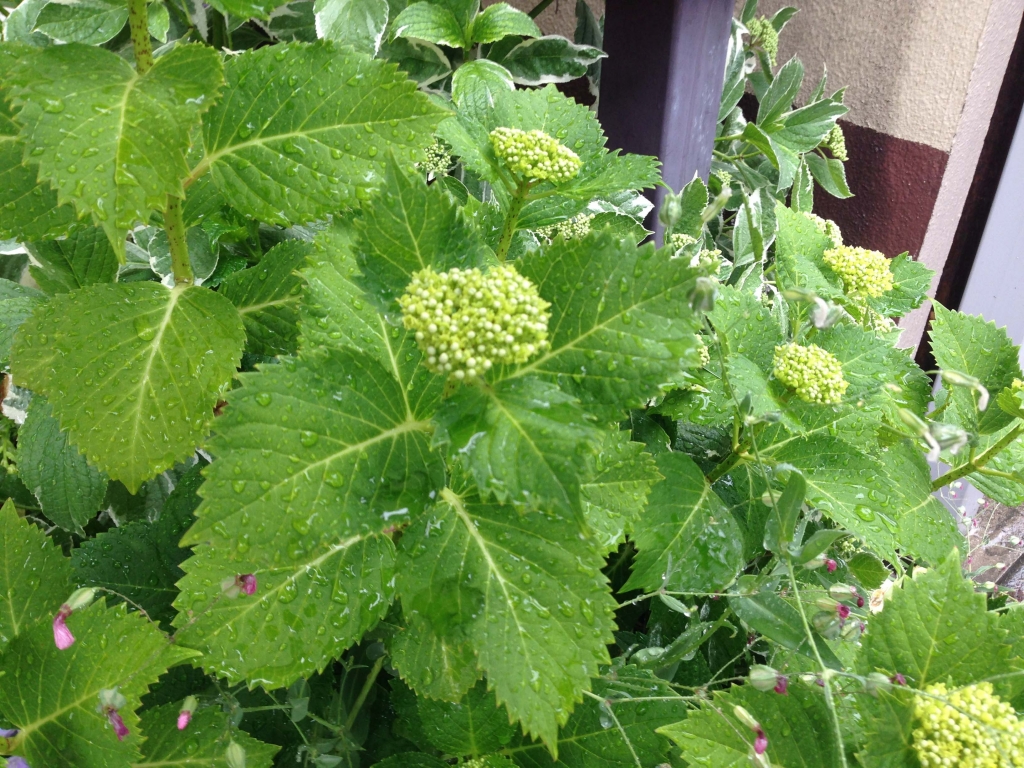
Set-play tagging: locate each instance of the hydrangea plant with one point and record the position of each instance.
(351, 421)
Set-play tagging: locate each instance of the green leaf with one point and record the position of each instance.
(781, 93)
(687, 540)
(934, 629)
(618, 731)
(357, 23)
(285, 154)
(525, 441)
(159, 20)
(141, 403)
(35, 578)
(804, 129)
(424, 62)
(798, 726)
(499, 20)
(201, 745)
(17, 302)
(85, 129)
(351, 460)
(439, 662)
(549, 59)
(868, 570)
(621, 330)
(30, 210)
(527, 592)
(412, 760)
(830, 174)
(91, 22)
(781, 529)
(616, 495)
(475, 726)
(911, 282)
(969, 344)
(409, 228)
(435, 23)
(52, 696)
(267, 297)
(70, 492)
(928, 531)
(692, 202)
(475, 84)
(84, 258)
(140, 560)
(746, 326)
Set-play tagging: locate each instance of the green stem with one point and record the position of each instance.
(731, 461)
(174, 225)
(734, 137)
(370, 679)
(138, 23)
(515, 209)
(980, 461)
(539, 8)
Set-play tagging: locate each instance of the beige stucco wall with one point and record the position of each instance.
(907, 62)
(559, 18)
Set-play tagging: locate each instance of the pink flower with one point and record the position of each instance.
(781, 685)
(62, 636)
(760, 742)
(898, 679)
(843, 610)
(184, 718)
(115, 720)
(247, 584)
(831, 565)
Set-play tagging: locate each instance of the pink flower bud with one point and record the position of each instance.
(247, 583)
(781, 685)
(62, 636)
(185, 715)
(843, 611)
(112, 700)
(898, 679)
(860, 601)
(760, 742)
(119, 727)
(831, 565)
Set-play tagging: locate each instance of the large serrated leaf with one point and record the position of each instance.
(474, 726)
(111, 141)
(202, 745)
(91, 22)
(34, 575)
(132, 371)
(358, 23)
(968, 344)
(527, 592)
(621, 329)
(549, 59)
(350, 457)
(267, 297)
(616, 495)
(70, 492)
(140, 560)
(798, 726)
(438, 663)
(524, 440)
(410, 227)
(301, 126)
(746, 326)
(30, 209)
(687, 540)
(52, 696)
(84, 258)
(499, 20)
(911, 281)
(616, 732)
(442, 23)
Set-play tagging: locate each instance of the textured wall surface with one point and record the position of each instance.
(559, 18)
(907, 62)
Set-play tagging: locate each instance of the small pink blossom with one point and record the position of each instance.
(111, 701)
(185, 715)
(898, 679)
(831, 565)
(760, 742)
(843, 611)
(243, 583)
(62, 636)
(247, 584)
(781, 685)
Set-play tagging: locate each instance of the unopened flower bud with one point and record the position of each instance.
(842, 592)
(852, 630)
(185, 715)
(535, 155)
(111, 700)
(831, 565)
(80, 598)
(835, 142)
(234, 755)
(746, 718)
(763, 678)
(863, 272)
(815, 375)
(764, 35)
(827, 623)
(242, 584)
(815, 563)
(875, 682)
(957, 379)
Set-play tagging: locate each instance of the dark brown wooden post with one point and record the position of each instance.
(662, 80)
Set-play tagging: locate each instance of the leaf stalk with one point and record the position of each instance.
(977, 463)
(174, 225)
(142, 46)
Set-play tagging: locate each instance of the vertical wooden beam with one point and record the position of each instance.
(662, 81)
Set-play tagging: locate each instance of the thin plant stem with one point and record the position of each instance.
(539, 8)
(174, 225)
(142, 46)
(979, 461)
(519, 199)
(361, 699)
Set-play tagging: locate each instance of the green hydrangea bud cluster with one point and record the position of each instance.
(534, 155)
(762, 33)
(835, 142)
(466, 320)
(679, 240)
(814, 374)
(827, 227)
(439, 159)
(863, 272)
(972, 728)
(575, 228)
(725, 178)
(704, 353)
